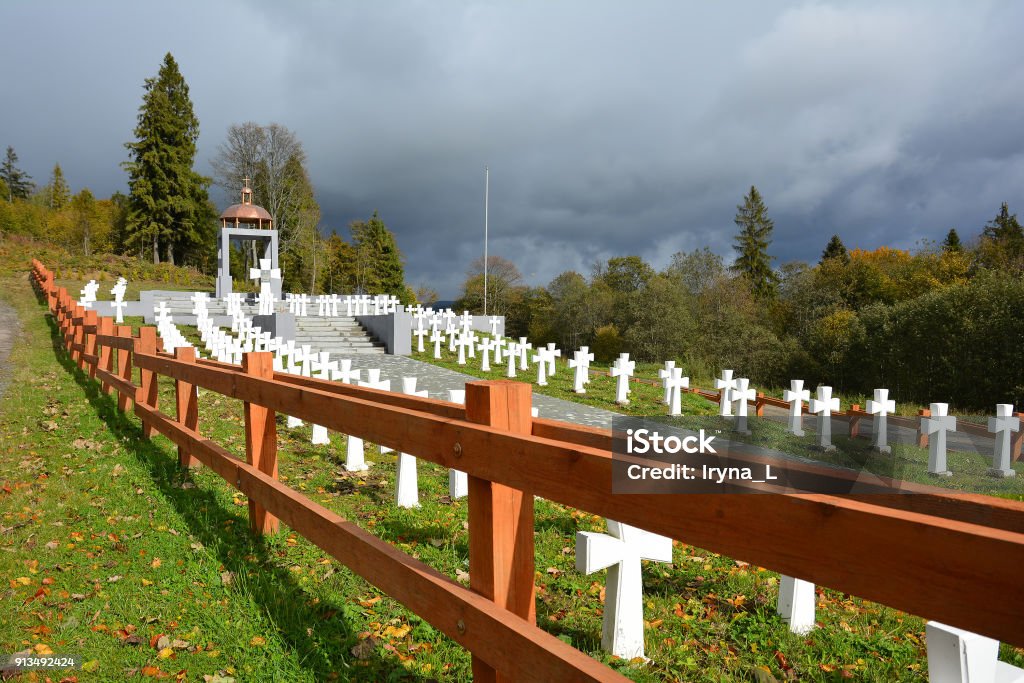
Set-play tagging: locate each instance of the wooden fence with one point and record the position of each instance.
(955, 558)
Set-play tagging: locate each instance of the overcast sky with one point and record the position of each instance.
(610, 128)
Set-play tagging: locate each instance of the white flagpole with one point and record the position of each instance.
(487, 191)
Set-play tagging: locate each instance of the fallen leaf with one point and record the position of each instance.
(364, 648)
(226, 578)
(114, 579)
(258, 641)
(165, 653)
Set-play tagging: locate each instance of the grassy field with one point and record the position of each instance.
(111, 552)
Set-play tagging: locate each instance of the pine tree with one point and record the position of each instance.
(1002, 242)
(952, 241)
(169, 209)
(60, 193)
(379, 267)
(19, 184)
(835, 249)
(752, 242)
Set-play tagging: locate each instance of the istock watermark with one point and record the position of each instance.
(705, 455)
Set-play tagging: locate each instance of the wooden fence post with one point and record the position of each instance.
(91, 319)
(854, 421)
(501, 552)
(187, 398)
(759, 404)
(106, 327)
(922, 436)
(260, 438)
(75, 335)
(146, 344)
(124, 367)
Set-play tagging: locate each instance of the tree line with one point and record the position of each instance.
(167, 215)
(944, 323)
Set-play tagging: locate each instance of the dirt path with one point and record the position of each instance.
(8, 333)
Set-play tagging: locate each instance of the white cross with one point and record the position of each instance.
(541, 359)
(665, 374)
(89, 294)
(795, 396)
(796, 603)
(494, 321)
(321, 305)
(407, 493)
(119, 306)
(1003, 425)
(349, 302)
(880, 407)
(435, 320)
(466, 321)
(485, 345)
(463, 343)
(393, 303)
(470, 341)
(512, 355)
(458, 482)
(959, 656)
(822, 406)
(499, 346)
(334, 305)
(524, 348)
(936, 427)
(553, 353)
(373, 381)
(622, 368)
(420, 334)
(420, 317)
(300, 309)
(293, 368)
(674, 384)
(437, 338)
(621, 550)
(581, 361)
(324, 366)
(345, 373)
(449, 320)
(725, 385)
(163, 314)
(740, 395)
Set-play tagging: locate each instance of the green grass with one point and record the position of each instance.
(87, 499)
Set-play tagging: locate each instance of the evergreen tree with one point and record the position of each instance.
(952, 241)
(835, 249)
(58, 190)
(752, 242)
(169, 209)
(379, 267)
(1002, 242)
(19, 184)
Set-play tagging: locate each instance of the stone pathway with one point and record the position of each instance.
(437, 381)
(8, 333)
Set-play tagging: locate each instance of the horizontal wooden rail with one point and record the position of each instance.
(525, 652)
(114, 342)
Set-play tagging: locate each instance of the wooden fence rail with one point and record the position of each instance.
(955, 558)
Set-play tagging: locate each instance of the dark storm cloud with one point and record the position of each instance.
(609, 128)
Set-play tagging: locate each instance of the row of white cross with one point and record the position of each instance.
(88, 297)
(328, 305)
(732, 391)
